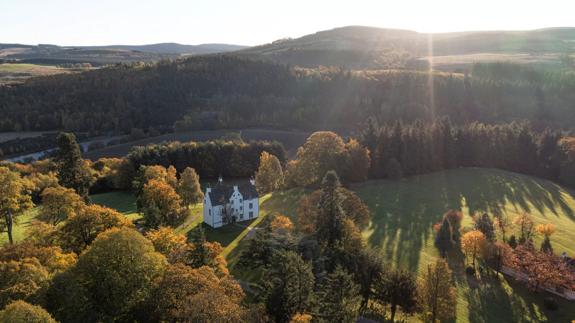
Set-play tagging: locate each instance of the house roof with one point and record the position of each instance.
(221, 193)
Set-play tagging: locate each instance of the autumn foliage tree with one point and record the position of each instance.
(112, 277)
(165, 240)
(324, 151)
(185, 294)
(160, 204)
(269, 176)
(14, 199)
(189, 187)
(58, 204)
(82, 228)
(473, 243)
(22, 312)
(436, 293)
(546, 230)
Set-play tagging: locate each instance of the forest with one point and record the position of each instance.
(226, 91)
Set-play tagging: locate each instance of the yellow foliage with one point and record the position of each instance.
(545, 229)
(281, 223)
(165, 240)
(301, 318)
(473, 243)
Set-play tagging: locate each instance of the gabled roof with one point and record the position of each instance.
(248, 191)
(221, 193)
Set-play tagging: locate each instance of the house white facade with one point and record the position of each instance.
(228, 204)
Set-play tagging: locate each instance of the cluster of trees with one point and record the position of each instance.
(540, 268)
(241, 92)
(324, 151)
(408, 149)
(320, 268)
(163, 197)
(210, 159)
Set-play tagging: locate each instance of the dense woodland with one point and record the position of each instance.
(226, 91)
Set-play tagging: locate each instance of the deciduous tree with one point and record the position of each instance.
(473, 244)
(59, 203)
(189, 187)
(82, 228)
(269, 176)
(546, 230)
(397, 288)
(437, 293)
(185, 294)
(22, 312)
(160, 204)
(113, 276)
(14, 199)
(165, 240)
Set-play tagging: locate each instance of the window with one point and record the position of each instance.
(251, 214)
(241, 200)
(241, 208)
(210, 212)
(251, 205)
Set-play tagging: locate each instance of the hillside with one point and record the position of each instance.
(101, 55)
(369, 47)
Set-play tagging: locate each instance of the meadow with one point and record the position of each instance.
(403, 212)
(17, 73)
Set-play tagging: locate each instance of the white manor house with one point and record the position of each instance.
(225, 204)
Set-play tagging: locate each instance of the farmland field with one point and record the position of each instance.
(16, 73)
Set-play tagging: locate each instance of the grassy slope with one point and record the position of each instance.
(405, 210)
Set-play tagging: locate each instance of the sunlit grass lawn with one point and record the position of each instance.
(19, 229)
(404, 211)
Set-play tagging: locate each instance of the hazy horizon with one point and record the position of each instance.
(69, 23)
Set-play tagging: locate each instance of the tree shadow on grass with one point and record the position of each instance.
(501, 300)
(403, 211)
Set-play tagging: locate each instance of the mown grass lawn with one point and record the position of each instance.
(404, 211)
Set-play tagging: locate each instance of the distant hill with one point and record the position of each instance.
(102, 55)
(369, 47)
(175, 48)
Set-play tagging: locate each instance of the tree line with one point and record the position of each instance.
(408, 149)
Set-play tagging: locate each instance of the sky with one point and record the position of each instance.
(253, 22)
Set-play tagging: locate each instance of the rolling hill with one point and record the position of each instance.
(369, 47)
(102, 55)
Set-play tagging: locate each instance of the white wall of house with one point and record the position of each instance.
(251, 209)
(243, 209)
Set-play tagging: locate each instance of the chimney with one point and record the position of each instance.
(208, 190)
(235, 188)
(252, 181)
(220, 179)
